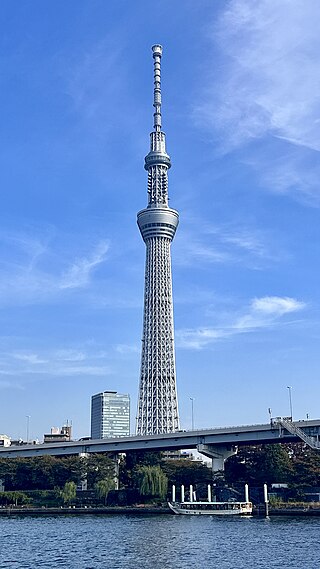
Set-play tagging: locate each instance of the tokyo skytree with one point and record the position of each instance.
(157, 399)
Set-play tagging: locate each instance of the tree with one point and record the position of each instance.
(151, 481)
(14, 498)
(69, 492)
(135, 459)
(40, 473)
(260, 464)
(103, 487)
(99, 467)
(187, 472)
(306, 465)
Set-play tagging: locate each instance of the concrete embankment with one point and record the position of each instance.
(140, 511)
(16, 511)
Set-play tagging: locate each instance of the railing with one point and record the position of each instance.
(294, 430)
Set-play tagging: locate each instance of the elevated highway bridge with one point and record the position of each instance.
(216, 443)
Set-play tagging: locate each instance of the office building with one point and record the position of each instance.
(110, 415)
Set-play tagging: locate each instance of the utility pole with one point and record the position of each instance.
(290, 400)
(192, 412)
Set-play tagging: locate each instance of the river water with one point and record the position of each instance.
(159, 542)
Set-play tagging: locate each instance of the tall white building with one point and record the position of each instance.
(110, 415)
(157, 400)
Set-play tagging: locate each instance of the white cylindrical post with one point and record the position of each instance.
(265, 493)
(246, 493)
(209, 492)
(173, 493)
(191, 493)
(182, 493)
(266, 501)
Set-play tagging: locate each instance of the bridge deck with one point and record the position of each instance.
(223, 436)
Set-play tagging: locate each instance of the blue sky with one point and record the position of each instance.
(241, 111)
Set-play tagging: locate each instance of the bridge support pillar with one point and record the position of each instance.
(218, 454)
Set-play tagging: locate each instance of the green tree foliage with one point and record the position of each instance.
(151, 481)
(69, 492)
(306, 465)
(260, 464)
(187, 472)
(13, 498)
(100, 467)
(134, 459)
(103, 487)
(49, 472)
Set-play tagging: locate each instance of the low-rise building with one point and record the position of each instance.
(5, 441)
(57, 435)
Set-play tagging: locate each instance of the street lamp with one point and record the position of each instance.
(28, 426)
(290, 400)
(192, 413)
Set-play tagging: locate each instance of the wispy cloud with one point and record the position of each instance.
(94, 83)
(276, 305)
(54, 363)
(296, 172)
(71, 355)
(127, 349)
(25, 247)
(78, 274)
(29, 358)
(226, 244)
(261, 313)
(34, 270)
(268, 85)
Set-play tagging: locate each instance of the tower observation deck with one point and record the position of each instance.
(157, 399)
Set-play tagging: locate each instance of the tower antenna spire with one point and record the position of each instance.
(157, 53)
(157, 400)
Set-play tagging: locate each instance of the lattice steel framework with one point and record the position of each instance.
(157, 401)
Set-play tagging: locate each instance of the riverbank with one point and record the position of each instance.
(287, 511)
(140, 511)
(73, 511)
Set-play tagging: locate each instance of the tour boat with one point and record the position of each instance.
(211, 508)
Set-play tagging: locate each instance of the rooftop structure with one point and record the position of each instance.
(57, 435)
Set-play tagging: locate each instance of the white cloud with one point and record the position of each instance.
(70, 355)
(296, 172)
(33, 270)
(268, 82)
(92, 370)
(229, 243)
(26, 248)
(272, 82)
(54, 363)
(29, 358)
(78, 275)
(261, 313)
(276, 305)
(127, 349)
(199, 338)
(95, 84)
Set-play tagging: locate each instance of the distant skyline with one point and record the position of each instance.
(240, 83)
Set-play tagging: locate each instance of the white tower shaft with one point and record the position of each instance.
(157, 400)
